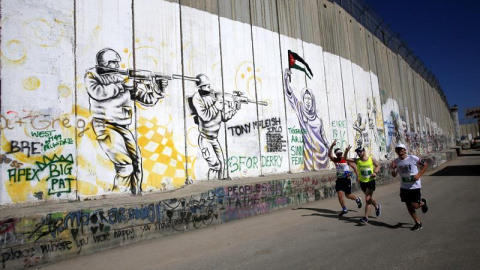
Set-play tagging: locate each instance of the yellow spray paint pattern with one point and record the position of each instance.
(163, 164)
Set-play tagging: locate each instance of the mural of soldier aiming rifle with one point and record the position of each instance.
(210, 109)
(113, 93)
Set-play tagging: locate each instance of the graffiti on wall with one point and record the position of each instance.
(339, 131)
(41, 124)
(376, 134)
(393, 131)
(209, 109)
(111, 96)
(56, 171)
(313, 139)
(84, 230)
(361, 137)
(121, 133)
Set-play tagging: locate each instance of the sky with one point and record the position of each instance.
(445, 35)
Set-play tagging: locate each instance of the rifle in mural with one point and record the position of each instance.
(236, 99)
(143, 76)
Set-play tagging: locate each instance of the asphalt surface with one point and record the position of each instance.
(312, 236)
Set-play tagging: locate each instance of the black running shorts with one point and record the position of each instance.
(343, 184)
(410, 195)
(370, 185)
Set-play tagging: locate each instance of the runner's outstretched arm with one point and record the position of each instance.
(330, 154)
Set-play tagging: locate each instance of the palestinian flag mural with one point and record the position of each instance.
(297, 62)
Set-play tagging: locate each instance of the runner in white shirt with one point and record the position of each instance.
(343, 185)
(407, 167)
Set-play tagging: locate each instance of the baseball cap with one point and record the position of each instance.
(359, 149)
(400, 145)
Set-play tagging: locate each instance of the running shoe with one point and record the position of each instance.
(359, 202)
(344, 212)
(417, 226)
(363, 220)
(378, 210)
(424, 206)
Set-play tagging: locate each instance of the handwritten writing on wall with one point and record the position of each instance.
(38, 121)
(241, 163)
(57, 171)
(296, 145)
(275, 141)
(339, 131)
(84, 231)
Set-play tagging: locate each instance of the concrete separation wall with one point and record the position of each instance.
(101, 98)
(48, 233)
(165, 100)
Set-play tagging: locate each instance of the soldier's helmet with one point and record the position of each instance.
(202, 80)
(107, 55)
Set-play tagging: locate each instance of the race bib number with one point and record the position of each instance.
(366, 173)
(342, 171)
(408, 179)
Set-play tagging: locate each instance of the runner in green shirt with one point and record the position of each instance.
(367, 169)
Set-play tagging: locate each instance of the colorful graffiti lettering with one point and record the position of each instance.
(59, 171)
(241, 163)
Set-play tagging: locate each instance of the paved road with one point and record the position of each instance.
(313, 237)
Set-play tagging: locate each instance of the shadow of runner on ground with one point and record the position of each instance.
(356, 219)
(466, 170)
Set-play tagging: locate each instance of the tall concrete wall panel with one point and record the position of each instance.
(343, 46)
(210, 6)
(239, 75)
(366, 135)
(341, 33)
(38, 101)
(383, 72)
(156, 48)
(369, 40)
(398, 114)
(376, 107)
(411, 100)
(327, 26)
(268, 73)
(314, 55)
(125, 97)
(290, 39)
(333, 76)
(418, 103)
(201, 55)
(402, 94)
